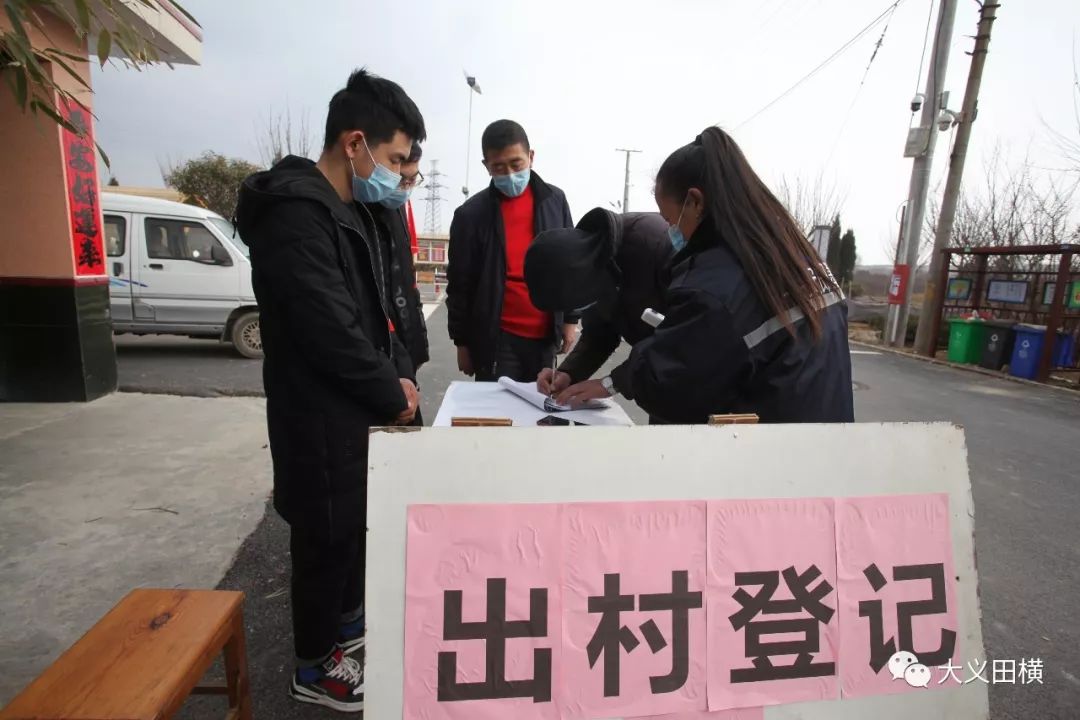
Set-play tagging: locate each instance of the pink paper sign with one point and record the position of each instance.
(773, 626)
(737, 714)
(897, 593)
(482, 612)
(634, 609)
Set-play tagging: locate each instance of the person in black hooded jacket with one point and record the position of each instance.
(755, 321)
(611, 267)
(333, 368)
(402, 296)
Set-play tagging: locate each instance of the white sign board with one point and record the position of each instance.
(819, 239)
(856, 464)
(1007, 291)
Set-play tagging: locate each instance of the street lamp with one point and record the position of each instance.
(473, 88)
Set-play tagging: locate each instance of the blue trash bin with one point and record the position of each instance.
(1028, 350)
(1063, 350)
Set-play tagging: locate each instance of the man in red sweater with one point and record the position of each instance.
(496, 328)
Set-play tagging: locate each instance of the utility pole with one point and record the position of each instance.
(925, 343)
(626, 179)
(896, 327)
(470, 80)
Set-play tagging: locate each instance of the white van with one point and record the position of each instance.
(177, 269)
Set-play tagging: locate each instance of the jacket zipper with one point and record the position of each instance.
(345, 265)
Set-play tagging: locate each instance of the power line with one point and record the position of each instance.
(824, 63)
(926, 39)
(858, 90)
(932, 97)
(748, 39)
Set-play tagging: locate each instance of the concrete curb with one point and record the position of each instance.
(209, 392)
(975, 369)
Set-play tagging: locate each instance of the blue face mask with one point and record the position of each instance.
(675, 235)
(382, 183)
(396, 199)
(513, 184)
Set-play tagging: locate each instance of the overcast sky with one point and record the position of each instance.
(587, 77)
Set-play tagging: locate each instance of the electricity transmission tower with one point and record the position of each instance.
(433, 222)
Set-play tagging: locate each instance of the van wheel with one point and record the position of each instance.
(246, 337)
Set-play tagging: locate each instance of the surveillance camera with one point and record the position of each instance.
(917, 101)
(947, 119)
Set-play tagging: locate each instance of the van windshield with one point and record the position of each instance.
(229, 231)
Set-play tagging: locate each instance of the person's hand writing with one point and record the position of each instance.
(577, 395)
(412, 395)
(550, 382)
(569, 337)
(464, 361)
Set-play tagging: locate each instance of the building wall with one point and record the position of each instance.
(35, 239)
(432, 259)
(55, 327)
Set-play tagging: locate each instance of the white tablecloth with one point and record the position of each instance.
(488, 400)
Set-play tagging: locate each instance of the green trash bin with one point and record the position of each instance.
(966, 337)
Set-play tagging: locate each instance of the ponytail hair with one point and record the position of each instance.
(781, 264)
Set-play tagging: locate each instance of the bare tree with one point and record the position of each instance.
(279, 136)
(926, 241)
(810, 202)
(1012, 206)
(1068, 143)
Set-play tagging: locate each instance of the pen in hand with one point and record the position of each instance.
(551, 386)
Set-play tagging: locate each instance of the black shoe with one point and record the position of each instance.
(337, 684)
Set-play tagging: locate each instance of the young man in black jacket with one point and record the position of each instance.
(614, 267)
(332, 366)
(492, 321)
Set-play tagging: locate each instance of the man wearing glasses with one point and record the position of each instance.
(398, 277)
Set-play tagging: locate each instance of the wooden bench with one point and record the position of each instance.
(143, 659)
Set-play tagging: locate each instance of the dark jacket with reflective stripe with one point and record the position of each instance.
(476, 274)
(720, 350)
(331, 367)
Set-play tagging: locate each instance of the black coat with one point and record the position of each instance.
(476, 273)
(720, 350)
(642, 255)
(331, 367)
(402, 296)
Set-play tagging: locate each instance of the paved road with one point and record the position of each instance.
(181, 366)
(208, 368)
(1024, 455)
(1024, 445)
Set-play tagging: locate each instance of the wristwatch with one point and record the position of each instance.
(609, 386)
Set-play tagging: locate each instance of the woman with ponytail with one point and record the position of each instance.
(756, 323)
